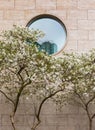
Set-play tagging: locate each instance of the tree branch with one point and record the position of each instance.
(43, 101)
(91, 100)
(40, 108)
(19, 94)
(84, 105)
(93, 116)
(8, 97)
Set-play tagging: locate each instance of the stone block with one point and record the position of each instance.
(6, 4)
(56, 120)
(66, 4)
(86, 24)
(77, 14)
(48, 108)
(22, 128)
(47, 128)
(71, 46)
(6, 24)
(24, 4)
(78, 34)
(82, 34)
(5, 108)
(5, 120)
(48, 4)
(92, 35)
(70, 24)
(13, 15)
(91, 14)
(29, 14)
(72, 35)
(83, 127)
(86, 4)
(77, 119)
(84, 46)
(6, 128)
(20, 23)
(20, 120)
(25, 108)
(61, 14)
(71, 127)
(68, 109)
(1, 14)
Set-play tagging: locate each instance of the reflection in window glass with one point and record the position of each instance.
(55, 34)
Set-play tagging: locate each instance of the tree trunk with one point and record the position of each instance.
(90, 124)
(12, 121)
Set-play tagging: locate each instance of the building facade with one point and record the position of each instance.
(78, 17)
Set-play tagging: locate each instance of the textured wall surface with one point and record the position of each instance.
(79, 19)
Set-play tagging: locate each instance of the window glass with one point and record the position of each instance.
(55, 33)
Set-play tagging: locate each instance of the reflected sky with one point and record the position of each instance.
(54, 31)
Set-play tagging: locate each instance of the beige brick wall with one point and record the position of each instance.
(79, 19)
(77, 15)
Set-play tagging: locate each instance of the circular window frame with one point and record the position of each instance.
(41, 16)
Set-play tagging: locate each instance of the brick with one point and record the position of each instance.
(72, 120)
(83, 120)
(6, 24)
(86, 24)
(77, 14)
(13, 15)
(71, 127)
(86, 4)
(29, 14)
(46, 128)
(51, 120)
(61, 14)
(66, 4)
(72, 35)
(5, 120)
(91, 14)
(20, 22)
(6, 4)
(70, 24)
(1, 14)
(5, 108)
(71, 46)
(56, 120)
(84, 46)
(68, 109)
(82, 111)
(27, 120)
(83, 34)
(25, 108)
(77, 119)
(22, 128)
(51, 109)
(20, 120)
(24, 4)
(91, 35)
(48, 4)
(6, 128)
(85, 127)
(78, 35)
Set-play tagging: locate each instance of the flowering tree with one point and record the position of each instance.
(82, 89)
(80, 73)
(24, 71)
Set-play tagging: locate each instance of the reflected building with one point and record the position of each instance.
(49, 47)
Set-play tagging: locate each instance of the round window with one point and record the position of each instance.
(55, 32)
